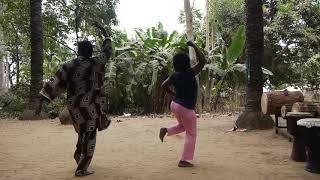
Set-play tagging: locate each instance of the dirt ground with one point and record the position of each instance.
(41, 150)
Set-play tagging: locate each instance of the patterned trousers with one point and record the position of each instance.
(85, 149)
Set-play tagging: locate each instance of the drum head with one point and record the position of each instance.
(299, 114)
(309, 122)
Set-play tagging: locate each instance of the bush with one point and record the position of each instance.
(56, 105)
(13, 102)
(16, 101)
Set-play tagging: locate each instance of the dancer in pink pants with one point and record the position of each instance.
(186, 88)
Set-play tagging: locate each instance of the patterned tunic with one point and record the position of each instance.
(83, 80)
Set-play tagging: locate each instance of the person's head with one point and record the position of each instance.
(85, 49)
(181, 62)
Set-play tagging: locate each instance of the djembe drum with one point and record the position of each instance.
(310, 130)
(298, 148)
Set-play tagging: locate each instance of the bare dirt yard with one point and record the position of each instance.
(41, 150)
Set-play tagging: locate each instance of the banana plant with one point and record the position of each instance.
(223, 61)
(157, 49)
(141, 64)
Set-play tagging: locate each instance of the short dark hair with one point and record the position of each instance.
(181, 62)
(85, 49)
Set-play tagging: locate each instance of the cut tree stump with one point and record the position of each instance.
(285, 109)
(271, 102)
(311, 107)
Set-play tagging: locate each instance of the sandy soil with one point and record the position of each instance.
(40, 150)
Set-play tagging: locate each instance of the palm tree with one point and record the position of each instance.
(36, 51)
(252, 117)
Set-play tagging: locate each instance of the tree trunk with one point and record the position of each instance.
(2, 75)
(189, 25)
(192, 53)
(17, 56)
(77, 19)
(207, 27)
(207, 94)
(213, 40)
(36, 51)
(252, 117)
(7, 84)
(10, 74)
(17, 65)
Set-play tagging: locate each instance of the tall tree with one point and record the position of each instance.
(188, 11)
(207, 27)
(14, 24)
(192, 54)
(36, 51)
(252, 117)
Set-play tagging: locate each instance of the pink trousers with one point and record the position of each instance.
(187, 121)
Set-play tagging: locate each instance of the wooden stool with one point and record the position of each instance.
(298, 147)
(310, 130)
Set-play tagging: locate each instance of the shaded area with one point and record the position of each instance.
(131, 150)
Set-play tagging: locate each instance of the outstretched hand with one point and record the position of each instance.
(191, 43)
(102, 29)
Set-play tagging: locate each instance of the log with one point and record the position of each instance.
(306, 107)
(285, 109)
(271, 102)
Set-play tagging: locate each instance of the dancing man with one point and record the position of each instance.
(82, 78)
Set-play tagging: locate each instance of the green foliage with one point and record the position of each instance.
(311, 73)
(197, 19)
(292, 38)
(223, 61)
(237, 45)
(57, 105)
(225, 16)
(139, 66)
(61, 20)
(226, 57)
(15, 100)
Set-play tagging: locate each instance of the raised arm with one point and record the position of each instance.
(107, 43)
(200, 57)
(101, 28)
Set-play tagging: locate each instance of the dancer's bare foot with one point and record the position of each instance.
(80, 173)
(185, 164)
(163, 132)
